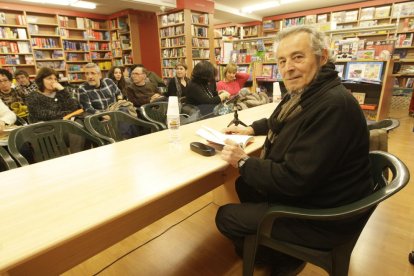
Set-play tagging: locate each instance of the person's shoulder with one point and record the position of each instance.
(108, 81)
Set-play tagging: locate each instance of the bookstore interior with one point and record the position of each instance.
(371, 42)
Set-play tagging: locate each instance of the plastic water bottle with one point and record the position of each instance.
(277, 93)
(173, 120)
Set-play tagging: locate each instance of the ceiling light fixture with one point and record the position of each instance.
(266, 5)
(73, 3)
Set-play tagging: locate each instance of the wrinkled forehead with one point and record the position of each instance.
(295, 42)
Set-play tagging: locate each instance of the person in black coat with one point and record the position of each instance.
(202, 90)
(316, 155)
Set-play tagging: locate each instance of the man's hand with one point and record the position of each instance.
(232, 153)
(239, 130)
(154, 97)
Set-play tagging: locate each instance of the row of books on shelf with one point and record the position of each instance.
(199, 18)
(403, 9)
(74, 67)
(45, 42)
(171, 62)
(99, 46)
(76, 77)
(173, 42)
(375, 12)
(98, 55)
(17, 59)
(168, 72)
(199, 31)
(200, 42)
(200, 53)
(77, 57)
(403, 69)
(227, 31)
(55, 54)
(104, 65)
(404, 40)
(173, 53)
(361, 49)
(21, 47)
(19, 20)
(172, 31)
(13, 33)
(81, 23)
(369, 71)
(172, 18)
(57, 65)
(250, 31)
(75, 46)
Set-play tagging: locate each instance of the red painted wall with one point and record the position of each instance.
(149, 41)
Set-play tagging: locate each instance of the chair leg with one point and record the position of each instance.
(249, 254)
(340, 263)
(411, 257)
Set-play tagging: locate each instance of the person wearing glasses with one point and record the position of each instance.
(8, 94)
(139, 91)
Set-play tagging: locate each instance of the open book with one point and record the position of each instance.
(217, 137)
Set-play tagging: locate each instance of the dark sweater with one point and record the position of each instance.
(320, 158)
(203, 95)
(140, 95)
(44, 108)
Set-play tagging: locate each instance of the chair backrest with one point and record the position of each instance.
(189, 114)
(155, 112)
(115, 126)
(387, 124)
(335, 261)
(46, 140)
(6, 161)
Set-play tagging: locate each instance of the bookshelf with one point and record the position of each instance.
(125, 40)
(185, 36)
(15, 48)
(44, 34)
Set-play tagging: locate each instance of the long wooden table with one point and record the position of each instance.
(58, 213)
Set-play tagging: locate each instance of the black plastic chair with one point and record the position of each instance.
(115, 126)
(6, 161)
(157, 113)
(47, 140)
(336, 260)
(387, 124)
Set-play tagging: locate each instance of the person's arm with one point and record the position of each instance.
(172, 88)
(309, 157)
(6, 115)
(85, 101)
(241, 78)
(68, 103)
(40, 110)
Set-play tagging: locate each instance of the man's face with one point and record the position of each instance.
(5, 84)
(297, 62)
(138, 76)
(22, 80)
(93, 77)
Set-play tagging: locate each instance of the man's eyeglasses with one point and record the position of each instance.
(135, 73)
(4, 81)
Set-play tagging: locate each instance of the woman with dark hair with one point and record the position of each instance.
(52, 101)
(116, 73)
(178, 85)
(202, 91)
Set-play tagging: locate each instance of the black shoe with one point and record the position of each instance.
(291, 267)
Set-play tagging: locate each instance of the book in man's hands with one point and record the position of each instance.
(216, 137)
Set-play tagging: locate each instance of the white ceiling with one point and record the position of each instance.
(225, 10)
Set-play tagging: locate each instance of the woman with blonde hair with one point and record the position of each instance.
(233, 81)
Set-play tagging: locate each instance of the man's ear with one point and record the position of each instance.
(324, 56)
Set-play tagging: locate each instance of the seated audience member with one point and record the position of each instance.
(310, 158)
(178, 85)
(139, 91)
(25, 85)
(52, 101)
(7, 117)
(116, 74)
(96, 94)
(8, 94)
(152, 77)
(201, 91)
(233, 81)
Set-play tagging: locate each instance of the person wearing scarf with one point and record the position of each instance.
(316, 155)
